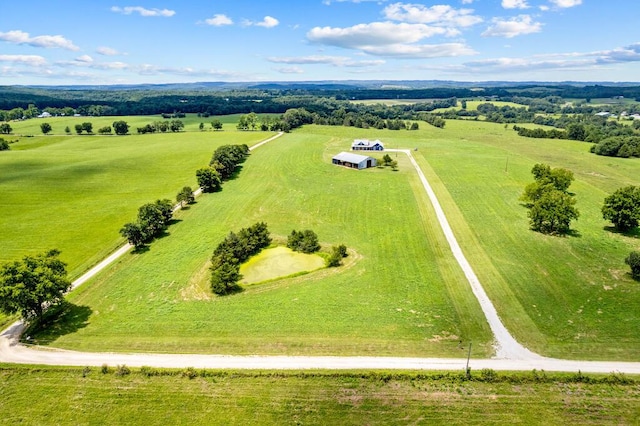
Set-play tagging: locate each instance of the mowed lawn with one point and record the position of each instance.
(568, 297)
(403, 294)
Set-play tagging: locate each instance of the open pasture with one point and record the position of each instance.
(59, 124)
(405, 295)
(159, 397)
(74, 193)
(567, 297)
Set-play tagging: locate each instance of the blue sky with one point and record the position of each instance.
(153, 41)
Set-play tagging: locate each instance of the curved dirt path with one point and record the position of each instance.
(510, 355)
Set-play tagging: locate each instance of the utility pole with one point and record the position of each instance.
(468, 372)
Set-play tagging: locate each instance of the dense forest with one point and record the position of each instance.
(276, 98)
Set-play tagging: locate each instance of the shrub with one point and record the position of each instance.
(122, 370)
(633, 260)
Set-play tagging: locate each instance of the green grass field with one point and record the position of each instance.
(405, 294)
(568, 297)
(75, 192)
(46, 395)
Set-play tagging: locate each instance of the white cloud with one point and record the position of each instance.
(513, 27)
(290, 70)
(410, 51)
(439, 15)
(544, 8)
(389, 39)
(566, 3)
(32, 60)
(85, 59)
(338, 61)
(107, 51)
(46, 41)
(515, 4)
(128, 10)
(267, 22)
(373, 34)
(219, 20)
(575, 61)
(467, 1)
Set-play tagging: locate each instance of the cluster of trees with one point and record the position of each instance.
(622, 208)
(162, 127)
(153, 219)
(232, 252)
(335, 257)
(618, 146)
(551, 206)
(505, 113)
(5, 128)
(33, 284)
(432, 119)
(84, 127)
(4, 145)
(303, 241)
(387, 161)
(608, 135)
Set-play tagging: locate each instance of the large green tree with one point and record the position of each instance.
(134, 233)
(5, 128)
(622, 208)
(120, 127)
(551, 206)
(185, 196)
(208, 179)
(45, 128)
(31, 285)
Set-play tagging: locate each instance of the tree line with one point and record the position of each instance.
(235, 249)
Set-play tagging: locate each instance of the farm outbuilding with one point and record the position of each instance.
(367, 145)
(354, 161)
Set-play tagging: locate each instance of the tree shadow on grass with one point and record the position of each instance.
(59, 320)
(234, 175)
(632, 233)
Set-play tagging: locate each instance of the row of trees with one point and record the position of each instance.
(161, 127)
(232, 252)
(153, 219)
(223, 165)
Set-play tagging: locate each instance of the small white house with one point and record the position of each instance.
(367, 145)
(353, 161)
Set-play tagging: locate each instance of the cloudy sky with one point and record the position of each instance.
(154, 41)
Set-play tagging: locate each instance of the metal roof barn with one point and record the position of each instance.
(354, 161)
